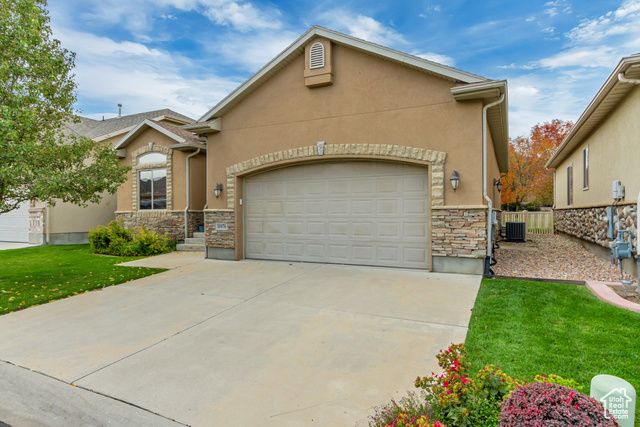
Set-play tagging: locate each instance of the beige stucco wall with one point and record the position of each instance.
(70, 218)
(178, 173)
(371, 101)
(614, 151)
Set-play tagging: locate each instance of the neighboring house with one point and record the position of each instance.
(340, 151)
(66, 223)
(166, 187)
(602, 147)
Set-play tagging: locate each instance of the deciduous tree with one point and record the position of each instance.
(37, 96)
(528, 179)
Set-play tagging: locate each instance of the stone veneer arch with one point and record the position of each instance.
(134, 175)
(434, 159)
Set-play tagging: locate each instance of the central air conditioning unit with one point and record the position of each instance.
(516, 231)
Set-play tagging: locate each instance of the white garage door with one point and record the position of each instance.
(14, 225)
(363, 213)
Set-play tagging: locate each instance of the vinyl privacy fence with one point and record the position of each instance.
(537, 222)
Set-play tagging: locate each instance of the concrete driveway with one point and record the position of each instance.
(231, 343)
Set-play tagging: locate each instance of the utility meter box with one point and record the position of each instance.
(617, 190)
(618, 398)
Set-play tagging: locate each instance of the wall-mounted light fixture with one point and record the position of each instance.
(455, 180)
(218, 190)
(498, 184)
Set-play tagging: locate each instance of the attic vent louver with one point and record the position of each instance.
(316, 56)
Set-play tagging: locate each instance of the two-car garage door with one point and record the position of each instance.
(363, 213)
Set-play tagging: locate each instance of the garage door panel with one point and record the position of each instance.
(388, 207)
(365, 213)
(316, 207)
(414, 207)
(338, 207)
(414, 229)
(362, 207)
(317, 228)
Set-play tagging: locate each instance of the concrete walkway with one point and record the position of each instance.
(232, 343)
(14, 245)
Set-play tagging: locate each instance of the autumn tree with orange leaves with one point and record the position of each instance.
(528, 180)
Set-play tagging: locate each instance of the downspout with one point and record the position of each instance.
(206, 175)
(186, 209)
(623, 79)
(637, 241)
(47, 223)
(484, 182)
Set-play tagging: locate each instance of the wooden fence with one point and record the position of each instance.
(537, 222)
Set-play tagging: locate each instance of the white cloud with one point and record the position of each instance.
(590, 57)
(252, 51)
(243, 16)
(362, 27)
(623, 21)
(436, 57)
(142, 79)
(556, 7)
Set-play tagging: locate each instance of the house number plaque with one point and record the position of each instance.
(221, 226)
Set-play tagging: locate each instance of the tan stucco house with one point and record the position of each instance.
(66, 223)
(602, 147)
(165, 189)
(340, 151)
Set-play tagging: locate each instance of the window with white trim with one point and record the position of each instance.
(570, 185)
(585, 168)
(316, 56)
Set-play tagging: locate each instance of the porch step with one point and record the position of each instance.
(190, 247)
(194, 241)
(198, 234)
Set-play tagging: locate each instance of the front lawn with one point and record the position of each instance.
(33, 276)
(527, 328)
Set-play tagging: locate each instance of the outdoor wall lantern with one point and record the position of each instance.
(498, 184)
(218, 190)
(455, 180)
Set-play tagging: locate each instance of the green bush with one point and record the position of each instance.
(457, 397)
(116, 239)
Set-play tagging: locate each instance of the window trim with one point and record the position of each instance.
(570, 185)
(585, 168)
(139, 171)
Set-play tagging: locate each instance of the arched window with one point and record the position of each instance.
(316, 56)
(152, 159)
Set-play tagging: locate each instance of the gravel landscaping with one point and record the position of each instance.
(552, 256)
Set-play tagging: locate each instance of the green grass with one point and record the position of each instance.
(33, 276)
(527, 328)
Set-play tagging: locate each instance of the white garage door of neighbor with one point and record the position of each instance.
(362, 213)
(14, 225)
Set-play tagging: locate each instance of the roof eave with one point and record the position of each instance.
(188, 146)
(141, 127)
(575, 135)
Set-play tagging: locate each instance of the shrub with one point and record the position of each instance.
(551, 405)
(412, 405)
(99, 240)
(557, 379)
(115, 239)
(453, 395)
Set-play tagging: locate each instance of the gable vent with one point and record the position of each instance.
(316, 56)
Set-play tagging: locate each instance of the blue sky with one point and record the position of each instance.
(188, 54)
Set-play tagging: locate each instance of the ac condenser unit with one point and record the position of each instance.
(516, 231)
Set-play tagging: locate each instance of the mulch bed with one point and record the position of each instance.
(553, 256)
